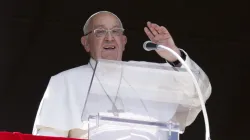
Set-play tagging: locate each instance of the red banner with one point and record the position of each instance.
(20, 136)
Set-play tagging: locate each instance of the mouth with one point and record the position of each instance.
(109, 47)
(109, 52)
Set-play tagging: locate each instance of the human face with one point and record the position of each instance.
(108, 46)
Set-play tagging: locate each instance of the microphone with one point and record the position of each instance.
(150, 46)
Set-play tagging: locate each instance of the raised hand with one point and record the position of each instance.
(160, 35)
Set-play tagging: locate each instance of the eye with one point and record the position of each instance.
(117, 31)
(100, 31)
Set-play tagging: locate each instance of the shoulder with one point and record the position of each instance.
(76, 72)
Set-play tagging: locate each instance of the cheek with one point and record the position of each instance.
(96, 44)
(119, 42)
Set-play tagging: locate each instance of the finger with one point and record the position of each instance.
(161, 37)
(164, 30)
(160, 30)
(149, 34)
(152, 27)
(156, 27)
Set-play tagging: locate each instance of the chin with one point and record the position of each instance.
(112, 57)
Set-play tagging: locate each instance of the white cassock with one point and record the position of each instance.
(61, 108)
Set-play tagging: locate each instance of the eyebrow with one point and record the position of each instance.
(102, 26)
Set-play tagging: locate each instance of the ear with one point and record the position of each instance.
(124, 41)
(84, 42)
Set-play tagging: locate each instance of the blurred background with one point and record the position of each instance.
(40, 38)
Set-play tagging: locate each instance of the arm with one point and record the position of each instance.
(204, 85)
(52, 115)
(160, 35)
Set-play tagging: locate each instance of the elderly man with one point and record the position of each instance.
(61, 108)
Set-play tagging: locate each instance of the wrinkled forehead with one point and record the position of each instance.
(105, 20)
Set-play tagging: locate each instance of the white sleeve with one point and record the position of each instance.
(201, 78)
(45, 131)
(59, 108)
(52, 114)
(205, 86)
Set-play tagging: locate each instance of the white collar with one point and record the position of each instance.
(92, 62)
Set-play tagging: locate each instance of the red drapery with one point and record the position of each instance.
(20, 136)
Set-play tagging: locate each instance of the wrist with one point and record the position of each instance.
(172, 57)
(176, 62)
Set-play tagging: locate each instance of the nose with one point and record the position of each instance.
(109, 36)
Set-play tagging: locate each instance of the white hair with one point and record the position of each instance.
(85, 27)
